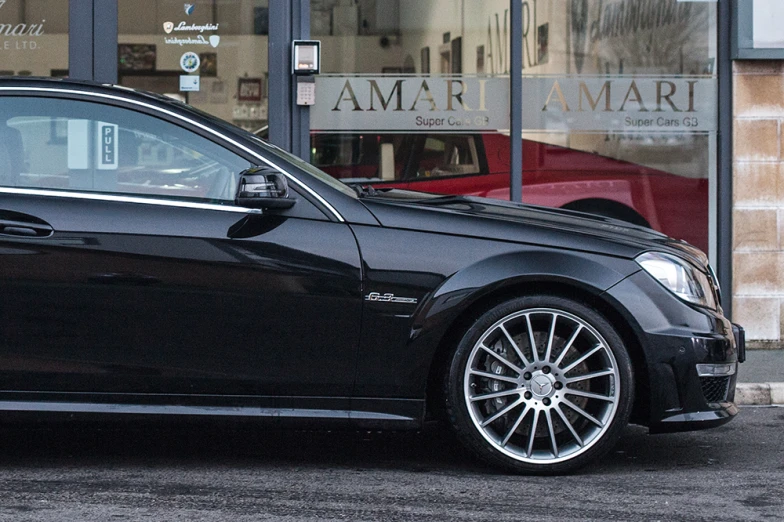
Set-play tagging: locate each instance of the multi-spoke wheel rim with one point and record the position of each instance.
(542, 386)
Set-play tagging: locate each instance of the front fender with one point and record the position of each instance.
(586, 271)
(449, 276)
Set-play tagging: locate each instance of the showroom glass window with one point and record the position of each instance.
(620, 110)
(34, 38)
(81, 146)
(413, 93)
(212, 55)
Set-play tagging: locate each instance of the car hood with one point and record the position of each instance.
(516, 222)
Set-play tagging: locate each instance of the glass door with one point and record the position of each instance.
(212, 55)
(414, 94)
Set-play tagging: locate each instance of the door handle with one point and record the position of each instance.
(10, 227)
(124, 278)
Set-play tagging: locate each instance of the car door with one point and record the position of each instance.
(127, 269)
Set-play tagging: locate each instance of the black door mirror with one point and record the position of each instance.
(263, 187)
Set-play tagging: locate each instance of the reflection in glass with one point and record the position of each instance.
(211, 55)
(413, 94)
(620, 110)
(34, 38)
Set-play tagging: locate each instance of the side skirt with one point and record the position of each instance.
(371, 414)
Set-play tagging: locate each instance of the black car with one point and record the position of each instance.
(156, 260)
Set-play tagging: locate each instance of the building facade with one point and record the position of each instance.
(758, 198)
(624, 107)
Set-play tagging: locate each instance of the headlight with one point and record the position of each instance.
(679, 277)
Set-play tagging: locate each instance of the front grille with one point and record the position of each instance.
(715, 388)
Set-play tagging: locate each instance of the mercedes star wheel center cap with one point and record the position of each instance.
(542, 385)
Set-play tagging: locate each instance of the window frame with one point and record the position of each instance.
(168, 134)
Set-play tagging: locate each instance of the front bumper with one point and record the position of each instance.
(676, 337)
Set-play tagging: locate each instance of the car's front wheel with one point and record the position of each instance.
(540, 384)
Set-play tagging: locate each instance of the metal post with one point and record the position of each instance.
(80, 39)
(724, 138)
(105, 38)
(280, 77)
(516, 102)
(300, 115)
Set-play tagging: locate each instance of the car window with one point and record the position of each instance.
(85, 146)
(448, 155)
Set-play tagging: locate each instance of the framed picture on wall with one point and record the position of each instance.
(424, 57)
(249, 89)
(209, 64)
(136, 57)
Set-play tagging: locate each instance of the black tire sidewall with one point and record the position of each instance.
(457, 409)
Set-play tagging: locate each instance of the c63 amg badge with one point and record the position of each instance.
(389, 298)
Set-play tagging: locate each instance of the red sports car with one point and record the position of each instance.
(478, 165)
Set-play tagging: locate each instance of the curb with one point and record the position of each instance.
(759, 394)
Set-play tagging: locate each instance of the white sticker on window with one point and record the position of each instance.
(78, 144)
(189, 82)
(108, 146)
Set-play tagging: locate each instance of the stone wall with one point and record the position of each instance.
(758, 199)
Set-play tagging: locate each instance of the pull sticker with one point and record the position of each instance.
(108, 146)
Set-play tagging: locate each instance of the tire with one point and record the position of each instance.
(576, 388)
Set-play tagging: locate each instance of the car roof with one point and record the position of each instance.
(87, 86)
(90, 87)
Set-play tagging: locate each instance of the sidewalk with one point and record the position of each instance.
(761, 378)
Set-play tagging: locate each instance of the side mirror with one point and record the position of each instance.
(263, 187)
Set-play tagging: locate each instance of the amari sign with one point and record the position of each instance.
(16, 32)
(411, 104)
(625, 104)
(608, 104)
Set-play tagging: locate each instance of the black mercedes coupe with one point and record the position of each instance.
(156, 260)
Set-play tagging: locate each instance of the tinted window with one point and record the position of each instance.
(75, 145)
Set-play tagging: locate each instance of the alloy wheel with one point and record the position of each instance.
(541, 386)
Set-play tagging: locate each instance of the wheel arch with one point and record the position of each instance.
(565, 288)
